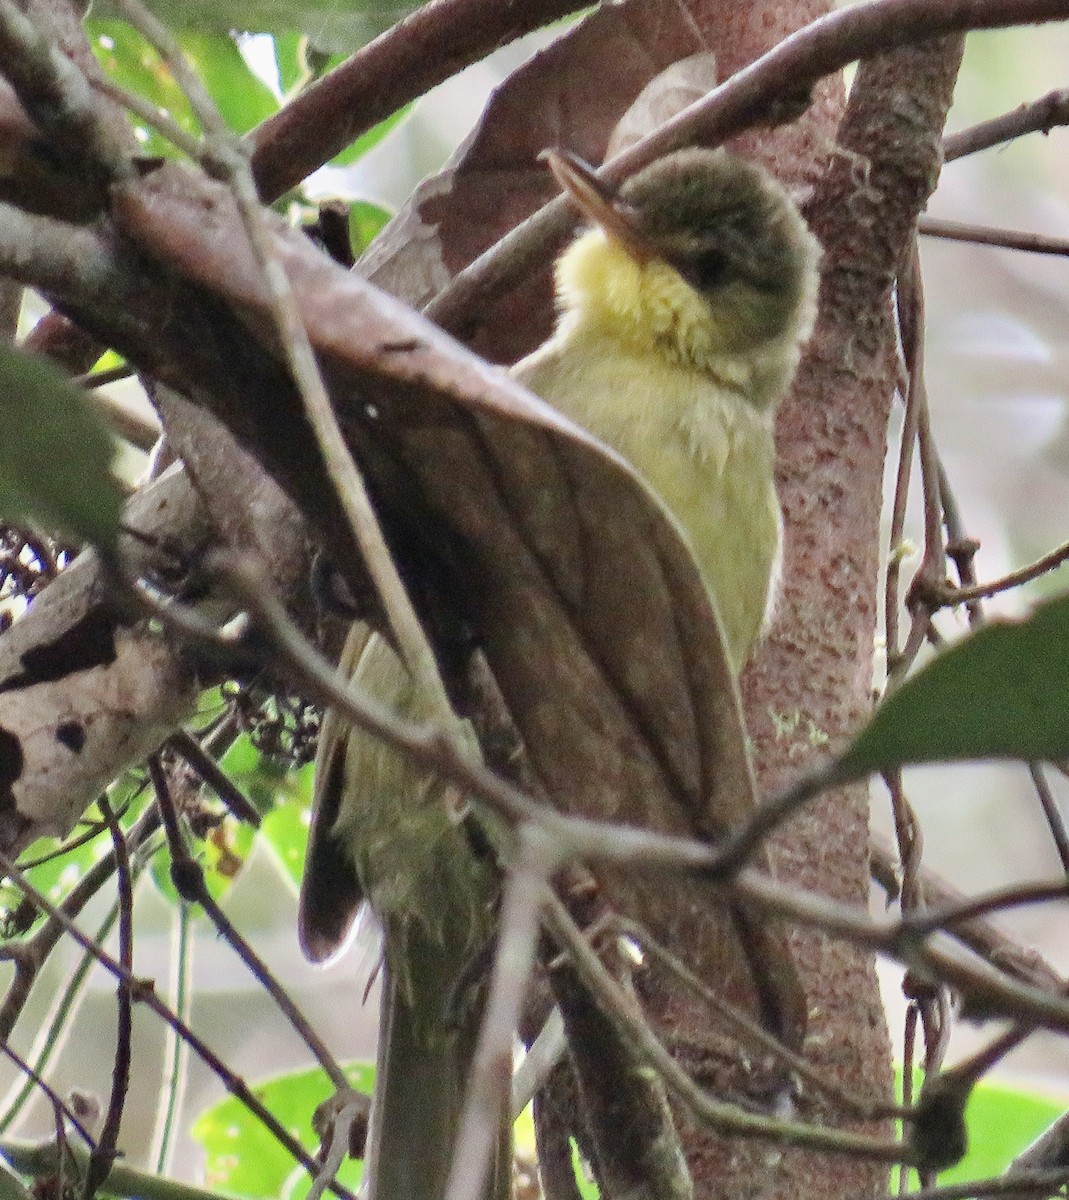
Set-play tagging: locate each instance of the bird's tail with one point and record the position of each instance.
(422, 1078)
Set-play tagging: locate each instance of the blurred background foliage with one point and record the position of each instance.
(997, 364)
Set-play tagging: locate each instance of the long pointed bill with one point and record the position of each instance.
(598, 200)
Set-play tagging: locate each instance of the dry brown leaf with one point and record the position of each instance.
(572, 95)
(572, 576)
(666, 94)
(565, 96)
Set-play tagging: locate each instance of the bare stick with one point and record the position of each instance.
(726, 1118)
(188, 879)
(429, 46)
(145, 995)
(984, 235)
(536, 859)
(750, 97)
(103, 1155)
(1041, 116)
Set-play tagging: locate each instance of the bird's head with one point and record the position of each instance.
(720, 258)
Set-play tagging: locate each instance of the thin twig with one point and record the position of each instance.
(46, 1161)
(933, 563)
(176, 1052)
(945, 917)
(49, 1039)
(987, 989)
(59, 1105)
(910, 334)
(910, 842)
(1052, 813)
(1041, 116)
(1014, 579)
(103, 1155)
(961, 548)
(189, 882)
(90, 830)
(726, 1118)
(985, 235)
(909, 1057)
(755, 1036)
(1049, 1151)
(31, 954)
(238, 804)
(536, 858)
(144, 994)
(982, 936)
(737, 847)
(542, 1056)
(971, 1069)
(1029, 1185)
(148, 114)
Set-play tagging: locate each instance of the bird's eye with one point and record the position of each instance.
(707, 270)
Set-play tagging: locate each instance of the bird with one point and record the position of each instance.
(682, 311)
(682, 315)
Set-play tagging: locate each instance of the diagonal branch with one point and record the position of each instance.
(435, 42)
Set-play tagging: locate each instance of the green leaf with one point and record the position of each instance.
(372, 138)
(1002, 692)
(289, 60)
(55, 455)
(335, 25)
(243, 100)
(285, 831)
(132, 63)
(366, 220)
(241, 758)
(1002, 1122)
(242, 1156)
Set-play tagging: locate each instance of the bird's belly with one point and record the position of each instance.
(704, 449)
(724, 498)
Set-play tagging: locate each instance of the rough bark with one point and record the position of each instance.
(812, 681)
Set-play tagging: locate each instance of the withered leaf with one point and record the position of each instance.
(573, 578)
(564, 96)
